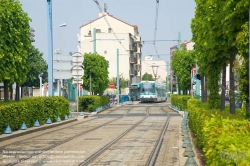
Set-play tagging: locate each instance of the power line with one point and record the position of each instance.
(155, 31)
(104, 16)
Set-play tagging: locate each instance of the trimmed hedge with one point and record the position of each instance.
(225, 138)
(90, 103)
(28, 110)
(180, 101)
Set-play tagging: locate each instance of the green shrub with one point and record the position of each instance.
(90, 103)
(28, 110)
(225, 138)
(180, 100)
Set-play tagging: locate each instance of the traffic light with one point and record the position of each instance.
(198, 76)
(32, 34)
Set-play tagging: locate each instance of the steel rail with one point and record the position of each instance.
(99, 152)
(154, 155)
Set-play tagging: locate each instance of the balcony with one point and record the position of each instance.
(138, 67)
(133, 72)
(132, 59)
(138, 39)
(133, 47)
(138, 51)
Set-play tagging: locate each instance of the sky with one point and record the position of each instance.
(173, 17)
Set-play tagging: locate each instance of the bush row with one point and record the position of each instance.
(28, 110)
(180, 101)
(90, 103)
(224, 138)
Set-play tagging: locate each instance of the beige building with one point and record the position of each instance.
(112, 34)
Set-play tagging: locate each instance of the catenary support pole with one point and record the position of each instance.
(94, 40)
(40, 77)
(179, 48)
(118, 77)
(50, 47)
(197, 82)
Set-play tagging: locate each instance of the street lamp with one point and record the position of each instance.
(41, 77)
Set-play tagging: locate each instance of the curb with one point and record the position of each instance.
(35, 129)
(176, 111)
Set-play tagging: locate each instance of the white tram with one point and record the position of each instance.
(152, 91)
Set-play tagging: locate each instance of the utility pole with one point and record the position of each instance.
(197, 82)
(167, 78)
(94, 40)
(94, 50)
(179, 48)
(117, 76)
(50, 47)
(90, 91)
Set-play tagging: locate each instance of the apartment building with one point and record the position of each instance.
(113, 34)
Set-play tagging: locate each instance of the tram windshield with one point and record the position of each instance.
(147, 88)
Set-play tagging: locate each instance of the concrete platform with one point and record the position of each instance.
(182, 159)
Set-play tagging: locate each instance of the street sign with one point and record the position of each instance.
(77, 58)
(195, 76)
(77, 72)
(77, 81)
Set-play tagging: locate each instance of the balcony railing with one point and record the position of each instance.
(132, 59)
(133, 72)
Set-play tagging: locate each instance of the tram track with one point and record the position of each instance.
(60, 142)
(154, 154)
(158, 145)
(98, 153)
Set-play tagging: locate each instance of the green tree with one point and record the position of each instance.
(147, 76)
(182, 63)
(14, 43)
(124, 82)
(36, 65)
(215, 28)
(97, 66)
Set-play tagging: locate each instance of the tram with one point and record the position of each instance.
(152, 91)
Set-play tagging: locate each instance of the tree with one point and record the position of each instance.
(147, 77)
(36, 65)
(182, 63)
(15, 43)
(215, 28)
(96, 66)
(124, 82)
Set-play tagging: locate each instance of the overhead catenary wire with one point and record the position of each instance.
(155, 30)
(104, 16)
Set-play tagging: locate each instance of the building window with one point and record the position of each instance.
(110, 30)
(105, 52)
(98, 30)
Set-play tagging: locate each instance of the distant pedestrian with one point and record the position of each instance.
(132, 97)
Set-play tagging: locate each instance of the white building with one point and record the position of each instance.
(113, 34)
(157, 69)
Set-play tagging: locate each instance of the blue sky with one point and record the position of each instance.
(173, 17)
